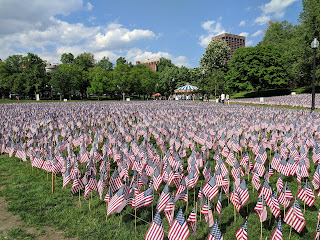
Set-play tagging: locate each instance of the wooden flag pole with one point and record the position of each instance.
(135, 220)
(196, 216)
(152, 211)
(304, 201)
(194, 196)
(79, 198)
(294, 204)
(52, 183)
(284, 205)
(107, 211)
(261, 229)
(187, 200)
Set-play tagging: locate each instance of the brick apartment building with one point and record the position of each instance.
(152, 63)
(233, 41)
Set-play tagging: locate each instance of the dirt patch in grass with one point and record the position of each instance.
(12, 227)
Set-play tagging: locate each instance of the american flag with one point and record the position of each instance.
(157, 179)
(273, 204)
(77, 185)
(219, 204)
(66, 177)
(182, 196)
(294, 217)
(163, 199)
(210, 189)
(207, 213)
(215, 233)
(179, 229)
(261, 209)
(255, 180)
(93, 182)
(316, 178)
(116, 201)
(265, 190)
(279, 183)
(115, 181)
(109, 195)
(306, 195)
(277, 234)
(156, 229)
(169, 210)
(192, 220)
(243, 192)
(242, 233)
(144, 198)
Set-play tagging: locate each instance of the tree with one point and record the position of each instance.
(289, 39)
(34, 69)
(96, 86)
(121, 74)
(85, 61)
(121, 60)
(67, 58)
(256, 68)
(310, 23)
(164, 63)
(105, 63)
(216, 56)
(66, 79)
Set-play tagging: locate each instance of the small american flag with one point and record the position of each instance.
(116, 201)
(277, 234)
(163, 199)
(242, 233)
(294, 217)
(156, 229)
(210, 189)
(192, 220)
(179, 229)
(215, 233)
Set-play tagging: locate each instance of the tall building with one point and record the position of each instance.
(233, 41)
(152, 63)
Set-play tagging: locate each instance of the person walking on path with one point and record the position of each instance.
(228, 98)
(223, 97)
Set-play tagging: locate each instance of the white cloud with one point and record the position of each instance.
(245, 34)
(136, 54)
(36, 28)
(242, 23)
(118, 37)
(257, 33)
(213, 28)
(275, 9)
(17, 16)
(89, 6)
(263, 19)
(249, 43)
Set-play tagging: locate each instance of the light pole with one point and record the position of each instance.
(172, 86)
(314, 46)
(203, 72)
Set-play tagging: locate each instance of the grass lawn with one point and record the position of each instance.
(28, 192)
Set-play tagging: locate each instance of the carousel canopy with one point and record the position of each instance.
(186, 88)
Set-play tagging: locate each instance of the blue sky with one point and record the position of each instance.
(175, 29)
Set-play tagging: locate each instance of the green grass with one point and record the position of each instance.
(273, 92)
(28, 193)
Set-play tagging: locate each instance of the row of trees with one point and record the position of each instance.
(282, 59)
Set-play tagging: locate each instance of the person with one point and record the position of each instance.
(223, 97)
(227, 98)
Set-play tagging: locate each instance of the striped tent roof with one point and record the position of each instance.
(187, 88)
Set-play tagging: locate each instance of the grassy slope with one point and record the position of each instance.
(29, 195)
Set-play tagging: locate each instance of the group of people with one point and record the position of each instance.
(224, 97)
